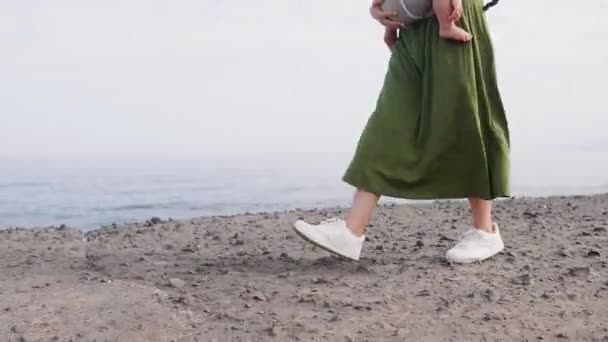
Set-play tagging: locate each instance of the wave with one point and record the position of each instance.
(145, 206)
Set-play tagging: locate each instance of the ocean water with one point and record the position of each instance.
(88, 194)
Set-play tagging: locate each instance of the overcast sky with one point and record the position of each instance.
(130, 77)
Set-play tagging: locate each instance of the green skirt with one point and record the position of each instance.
(439, 129)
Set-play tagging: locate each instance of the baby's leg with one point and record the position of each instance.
(444, 10)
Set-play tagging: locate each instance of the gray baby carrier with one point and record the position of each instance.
(410, 11)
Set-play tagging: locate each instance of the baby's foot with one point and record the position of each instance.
(454, 32)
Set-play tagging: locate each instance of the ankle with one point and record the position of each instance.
(488, 228)
(449, 26)
(355, 228)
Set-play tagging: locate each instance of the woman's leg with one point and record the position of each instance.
(361, 211)
(482, 214)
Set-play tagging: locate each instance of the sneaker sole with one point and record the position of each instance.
(307, 239)
(470, 261)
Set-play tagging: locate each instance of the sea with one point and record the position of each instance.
(89, 194)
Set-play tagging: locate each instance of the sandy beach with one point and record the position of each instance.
(250, 278)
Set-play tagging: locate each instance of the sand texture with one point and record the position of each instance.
(251, 278)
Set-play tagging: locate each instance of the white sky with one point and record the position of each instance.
(106, 78)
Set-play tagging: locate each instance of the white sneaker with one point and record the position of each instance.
(476, 245)
(333, 236)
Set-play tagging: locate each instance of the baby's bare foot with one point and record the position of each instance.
(454, 32)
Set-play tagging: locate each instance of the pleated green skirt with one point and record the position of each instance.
(439, 129)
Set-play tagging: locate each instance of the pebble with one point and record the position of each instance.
(529, 214)
(546, 295)
(491, 295)
(580, 272)
(177, 283)
(156, 220)
(237, 242)
(424, 293)
(444, 238)
(402, 332)
(524, 279)
(362, 307)
(272, 330)
(320, 280)
(260, 297)
(490, 317)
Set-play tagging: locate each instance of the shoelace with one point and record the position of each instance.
(467, 235)
(332, 220)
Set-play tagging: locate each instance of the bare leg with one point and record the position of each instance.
(361, 211)
(444, 10)
(482, 214)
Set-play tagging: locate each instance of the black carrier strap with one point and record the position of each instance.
(490, 4)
